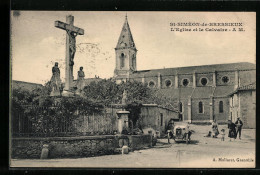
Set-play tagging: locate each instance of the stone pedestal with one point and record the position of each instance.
(122, 120)
(79, 92)
(67, 93)
(55, 93)
(45, 151)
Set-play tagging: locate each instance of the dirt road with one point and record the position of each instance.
(202, 152)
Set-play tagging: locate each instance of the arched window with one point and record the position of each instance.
(200, 107)
(221, 107)
(122, 60)
(133, 61)
(180, 107)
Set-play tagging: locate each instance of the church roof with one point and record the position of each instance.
(170, 93)
(203, 92)
(197, 69)
(223, 91)
(177, 93)
(125, 39)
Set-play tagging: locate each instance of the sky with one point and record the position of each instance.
(36, 44)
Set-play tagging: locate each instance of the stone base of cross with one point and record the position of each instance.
(67, 93)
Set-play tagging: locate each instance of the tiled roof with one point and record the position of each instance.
(185, 92)
(25, 85)
(197, 69)
(170, 92)
(177, 93)
(222, 91)
(203, 92)
(24, 82)
(247, 87)
(251, 86)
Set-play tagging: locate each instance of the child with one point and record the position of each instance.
(222, 134)
(208, 135)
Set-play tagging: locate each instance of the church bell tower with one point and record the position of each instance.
(125, 54)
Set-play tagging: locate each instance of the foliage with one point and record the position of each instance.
(135, 110)
(109, 92)
(48, 114)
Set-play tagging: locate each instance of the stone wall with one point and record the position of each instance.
(205, 115)
(72, 147)
(221, 117)
(102, 124)
(155, 117)
(208, 76)
(184, 108)
(247, 77)
(171, 78)
(185, 76)
(243, 106)
(247, 108)
(139, 141)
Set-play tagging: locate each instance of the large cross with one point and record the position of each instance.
(72, 32)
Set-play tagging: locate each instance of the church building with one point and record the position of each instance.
(202, 92)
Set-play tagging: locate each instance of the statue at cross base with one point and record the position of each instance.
(55, 81)
(80, 81)
(124, 98)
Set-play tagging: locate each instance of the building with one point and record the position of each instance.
(156, 117)
(25, 85)
(202, 92)
(242, 104)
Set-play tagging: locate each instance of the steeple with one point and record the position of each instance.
(125, 54)
(125, 39)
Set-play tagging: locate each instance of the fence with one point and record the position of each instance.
(95, 124)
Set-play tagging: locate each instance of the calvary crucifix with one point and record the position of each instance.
(72, 32)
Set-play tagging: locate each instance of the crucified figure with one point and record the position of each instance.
(72, 46)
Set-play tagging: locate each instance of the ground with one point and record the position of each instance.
(201, 152)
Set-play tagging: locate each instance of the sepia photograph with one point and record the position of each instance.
(132, 89)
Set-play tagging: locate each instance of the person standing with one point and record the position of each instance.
(232, 130)
(215, 131)
(239, 125)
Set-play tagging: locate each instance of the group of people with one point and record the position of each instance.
(234, 129)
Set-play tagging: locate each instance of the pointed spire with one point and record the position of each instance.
(125, 39)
